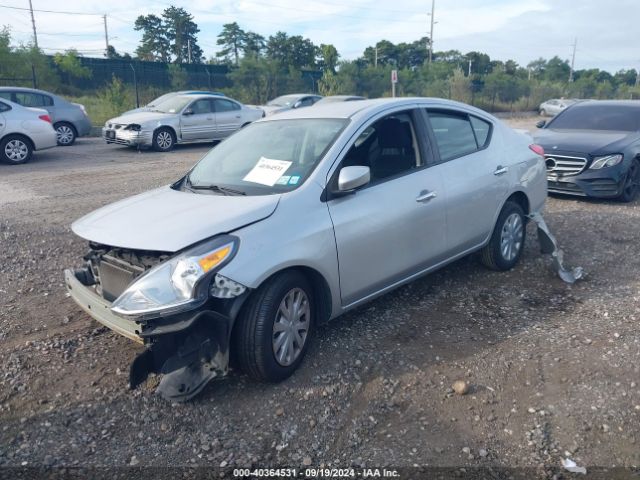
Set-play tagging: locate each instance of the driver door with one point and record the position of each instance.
(395, 226)
(198, 121)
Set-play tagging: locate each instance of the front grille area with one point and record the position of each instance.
(114, 269)
(563, 165)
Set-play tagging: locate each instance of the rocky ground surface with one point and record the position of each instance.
(553, 369)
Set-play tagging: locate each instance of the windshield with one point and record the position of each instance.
(284, 101)
(173, 104)
(619, 118)
(267, 157)
(160, 99)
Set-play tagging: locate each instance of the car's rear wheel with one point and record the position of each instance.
(66, 134)
(507, 241)
(163, 140)
(275, 327)
(15, 149)
(631, 183)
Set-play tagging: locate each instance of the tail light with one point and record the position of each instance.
(537, 149)
(46, 118)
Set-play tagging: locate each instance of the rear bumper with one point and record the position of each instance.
(99, 309)
(83, 127)
(44, 140)
(604, 183)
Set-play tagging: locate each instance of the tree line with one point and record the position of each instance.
(262, 67)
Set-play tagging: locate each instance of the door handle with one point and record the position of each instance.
(426, 196)
(500, 170)
(209, 118)
(237, 116)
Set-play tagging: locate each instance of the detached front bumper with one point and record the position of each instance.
(189, 349)
(607, 182)
(100, 309)
(130, 138)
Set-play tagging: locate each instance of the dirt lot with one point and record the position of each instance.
(554, 369)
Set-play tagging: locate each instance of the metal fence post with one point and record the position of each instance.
(135, 83)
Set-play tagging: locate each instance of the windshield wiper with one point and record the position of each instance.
(217, 188)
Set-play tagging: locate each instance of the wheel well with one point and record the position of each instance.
(31, 144)
(75, 130)
(167, 127)
(521, 199)
(321, 290)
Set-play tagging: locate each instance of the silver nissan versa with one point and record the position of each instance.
(296, 219)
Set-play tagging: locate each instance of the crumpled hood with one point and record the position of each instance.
(583, 141)
(168, 220)
(140, 117)
(271, 109)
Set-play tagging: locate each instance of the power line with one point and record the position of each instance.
(50, 11)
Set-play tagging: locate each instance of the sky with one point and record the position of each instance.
(522, 30)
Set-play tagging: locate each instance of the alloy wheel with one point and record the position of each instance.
(291, 326)
(65, 134)
(16, 150)
(164, 140)
(511, 237)
(633, 181)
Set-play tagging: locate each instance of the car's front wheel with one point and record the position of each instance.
(163, 140)
(631, 183)
(66, 134)
(274, 328)
(15, 149)
(543, 112)
(507, 241)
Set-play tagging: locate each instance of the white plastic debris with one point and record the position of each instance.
(571, 466)
(549, 245)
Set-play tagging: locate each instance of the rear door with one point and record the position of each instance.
(475, 179)
(198, 121)
(3, 120)
(228, 117)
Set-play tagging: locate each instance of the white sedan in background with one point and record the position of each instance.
(182, 118)
(23, 130)
(554, 106)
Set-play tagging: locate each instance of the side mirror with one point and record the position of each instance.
(298, 104)
(541, 123)
(353, 177)
(188, 111)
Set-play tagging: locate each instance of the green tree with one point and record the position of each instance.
(254, 44)
(69, 63)
(233, 40)
(328, 57)
(154, 46)
(181, 31)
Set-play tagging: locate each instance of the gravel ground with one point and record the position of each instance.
(553, 369)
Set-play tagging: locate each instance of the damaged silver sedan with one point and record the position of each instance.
(295, 220)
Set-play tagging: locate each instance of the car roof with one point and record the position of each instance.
(197, 96)
(351, 109)
(610, 103)
(26, 89)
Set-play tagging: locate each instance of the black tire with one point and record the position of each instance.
(253, 334)
(492, 255)
(15, 149)
(163, 139)
(66, 134)
(631, 186)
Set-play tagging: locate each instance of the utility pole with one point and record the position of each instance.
(33, 24)
(433, 8)
(189, 49)
(106, 37)
(470, 63)
(573, 59)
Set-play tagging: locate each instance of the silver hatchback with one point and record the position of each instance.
(295, 220)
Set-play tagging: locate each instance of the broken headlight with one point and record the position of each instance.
(606, 161)
(134, 127)
(178, 284)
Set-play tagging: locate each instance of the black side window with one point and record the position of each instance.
(388, 147)
(27, 99)
(201, 106)
(4, 107)
(6, 95)
(454, 134)
(307, 102)
(482, 130)
(226, 106)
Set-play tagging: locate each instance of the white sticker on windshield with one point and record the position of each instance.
(267, 171)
